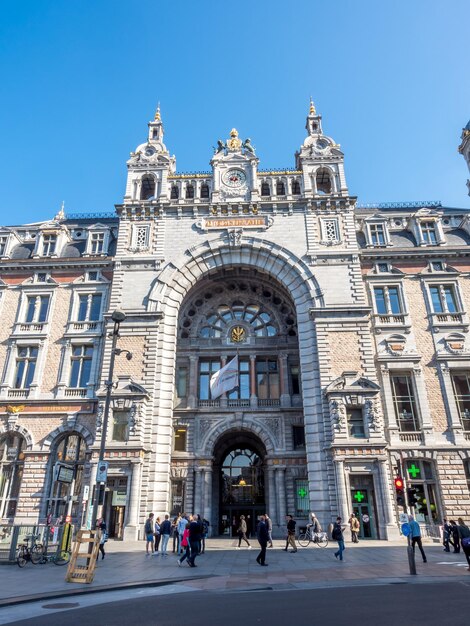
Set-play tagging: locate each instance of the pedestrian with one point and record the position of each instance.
(242, 529)
(269, 524)
(205, 534)
(337, 535)
(165, 531)
(184, 545)
(157, 535)
(263, 538)
(174, 533)
(455, 536)
(415, 532)
(182, 524)
(446, 535)
(101, 525)
(291, 524)
(464, 534)
(355, 527)
(194, 539)
(149, 534)
(315, 527)
(201, 533)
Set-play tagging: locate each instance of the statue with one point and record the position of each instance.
(248, 147)
(220, 146)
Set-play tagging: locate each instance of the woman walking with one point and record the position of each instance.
(157, 535)
(464, 533)
(185, 545)
(101, 525)
(242, 530)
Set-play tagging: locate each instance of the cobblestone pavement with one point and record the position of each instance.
(223, 567)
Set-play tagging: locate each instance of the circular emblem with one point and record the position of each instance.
(234, 178)
(149, 151)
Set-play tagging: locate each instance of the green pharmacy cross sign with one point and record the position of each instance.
(302, 492)
(414, 471)
(359, 496)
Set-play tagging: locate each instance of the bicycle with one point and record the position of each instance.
(60, 557)
(320, 539)
(26, 553)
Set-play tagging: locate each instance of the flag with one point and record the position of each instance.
(225, 379)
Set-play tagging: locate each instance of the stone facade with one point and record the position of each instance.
(349, 324)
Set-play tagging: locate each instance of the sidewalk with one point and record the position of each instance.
(223, 567)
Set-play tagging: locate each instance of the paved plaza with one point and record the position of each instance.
(223, 568)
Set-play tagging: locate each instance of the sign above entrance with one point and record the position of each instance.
(220, 223)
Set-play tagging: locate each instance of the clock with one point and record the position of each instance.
(149, 151)
(322, 144)
(234, 178)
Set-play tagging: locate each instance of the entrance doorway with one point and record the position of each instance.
(241, 490)
(363, 505)
(114, 509)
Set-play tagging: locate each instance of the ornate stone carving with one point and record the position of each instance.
(338, 414)
(372, 414)
(235, 237)
(274, 426)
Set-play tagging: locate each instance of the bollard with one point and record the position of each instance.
(406, 530)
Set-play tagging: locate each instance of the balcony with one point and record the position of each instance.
(89, 327)
(458, 319)
(412, 438)
(18, 394)
(391, 320)
(269, 402)
(75, 392)
(31, 328)
(208, 403)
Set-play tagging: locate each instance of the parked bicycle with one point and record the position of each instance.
(33, 553)
(60, 557)
(319, 539)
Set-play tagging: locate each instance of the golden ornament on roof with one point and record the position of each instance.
(238, 334)
(234, 143)
(313, 111)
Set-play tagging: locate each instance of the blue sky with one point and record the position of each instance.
(80, 80)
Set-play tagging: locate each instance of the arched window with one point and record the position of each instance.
(280, 188)
(12, 446)
(323, 181)
(189, 192)
(218, 321)
(265, 191)
(420, 477)
(204, 191)
(147, 188)
(295, 188)
(242, 479)
(70, 451)
(174, 193)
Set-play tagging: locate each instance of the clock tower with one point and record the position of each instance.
(234, 167)
(464, 149)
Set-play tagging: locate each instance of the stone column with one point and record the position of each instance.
(133, 501)
(272, 499)
(284, 380)
(192, 395)
(253, 396)
(198, 494)
(208, 496)
(341, 490)
(281, 495)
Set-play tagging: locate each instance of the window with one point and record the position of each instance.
(141, 234)
(243, 390)
(296, 188)
(80, 366)
(461, 383)
(49, 243)
(189, 192)
(218, 322)
(428, 231)
(206, 370)
(295, 380)
(298, 437)
(204, 191)
(25, 367)
(177, 496)
(41, 277)
(377, 234)
(382, 268)
(97, 243)
(330, 231)
(147, 188)
(387, 300)
(443, 299)
(70, 450)
(182, 382)
(12, 448)
(280, 188)
(302, 500)
(265, 190)
(174, 195)
(355, 422)
(242, 478)
(89, 307)
(267, 379)
(180, 438)
(3, 244)
(404, 402)
(120, 426)
(37, 308)
(420, 477)
(437, 266)
(323, 181)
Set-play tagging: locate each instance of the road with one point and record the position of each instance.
(386, 605)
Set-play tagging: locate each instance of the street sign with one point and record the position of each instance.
(365, 518)
(405, 529)
(102, 472)
(63, 473)
(403, 517)
(86, 493)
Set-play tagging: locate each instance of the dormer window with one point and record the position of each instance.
(265, 190)
(147, 188)
(49, 244)
(3, 245)
(97, 243)
(377, 234)
(429, 232)
(323, 180)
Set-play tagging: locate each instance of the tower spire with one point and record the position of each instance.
(312, 110)
(158, 117)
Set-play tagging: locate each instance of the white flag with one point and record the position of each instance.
(225, 379)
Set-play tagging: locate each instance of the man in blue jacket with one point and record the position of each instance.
(415, 532)
(263, 538)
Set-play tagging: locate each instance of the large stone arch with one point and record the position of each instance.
(20, 430)
(240, 427)
(53, 436)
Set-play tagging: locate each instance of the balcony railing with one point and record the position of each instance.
(31, 327)
(391, 319)
(18, 393)
(75, 392)
(238, 402)
(269, 402)
(412, 437)
(84, 327)
(448, 318)
(208, 403)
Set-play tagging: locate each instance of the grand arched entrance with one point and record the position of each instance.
(240, 485)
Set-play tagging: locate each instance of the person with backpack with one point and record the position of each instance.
(148, 530)
(337, 535)
(205, 533)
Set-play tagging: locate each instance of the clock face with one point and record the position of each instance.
(149, 151)
(322, 144)
(234, 178)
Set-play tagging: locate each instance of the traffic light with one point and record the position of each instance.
(399, 491)
(411, 494)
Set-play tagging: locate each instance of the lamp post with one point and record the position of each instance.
(117, 317)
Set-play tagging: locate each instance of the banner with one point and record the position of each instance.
(225, 379)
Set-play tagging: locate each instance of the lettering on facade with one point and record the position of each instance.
(235, 222)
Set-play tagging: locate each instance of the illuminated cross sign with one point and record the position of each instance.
(414, 471)
(359, 496)
(302, 492)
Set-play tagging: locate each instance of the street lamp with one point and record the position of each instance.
(117, 317)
